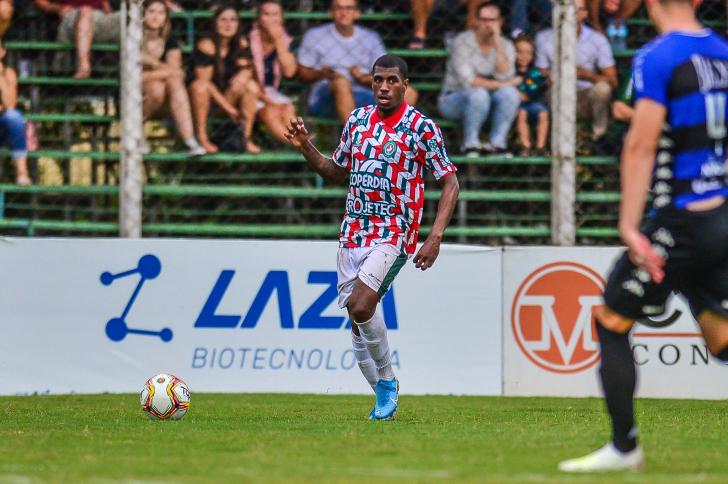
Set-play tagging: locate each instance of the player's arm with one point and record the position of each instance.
(638, 158)
(324, 166)
(445, 208)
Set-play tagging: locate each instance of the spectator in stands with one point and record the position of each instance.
(84, 22)
(163, 79)
(339, 57)
(12, 123)
(596, 73)
(533, 87)
(270, 45)
(422, 11)
(7, 8)
(622, 111)
(520, 16)
(600, 11)
(480, 78)
(224, 79)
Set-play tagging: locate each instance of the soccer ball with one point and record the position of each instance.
(165, 397)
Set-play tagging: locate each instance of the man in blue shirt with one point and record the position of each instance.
(677, 143)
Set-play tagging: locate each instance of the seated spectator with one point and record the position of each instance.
(596, 73)
(270, 45)
(339, 57)
(12, 123)
(163, 80)
(520, 16)
(84, 22)
(622, 111)
(480, 78)
(422, 11)
(7, 8)
(224, 79)
(533, 87)
(600, 11)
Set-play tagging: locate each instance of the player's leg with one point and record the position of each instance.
(629, 290)
(347, 267)
(618, 376)
(373, 333)
(363, 359)
(374, 278)
(715, 331)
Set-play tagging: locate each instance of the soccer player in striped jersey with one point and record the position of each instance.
(676, 142)
(384, 150)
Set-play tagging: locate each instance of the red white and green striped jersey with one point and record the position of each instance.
(386, 158)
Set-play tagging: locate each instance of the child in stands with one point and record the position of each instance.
(532, 88)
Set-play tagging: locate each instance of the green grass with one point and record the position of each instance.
(319, 438)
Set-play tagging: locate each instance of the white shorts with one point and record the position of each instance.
(376, 266)
(275, 96)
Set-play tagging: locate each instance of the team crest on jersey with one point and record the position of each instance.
(389, 148)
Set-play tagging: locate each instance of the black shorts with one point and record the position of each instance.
(695, 248)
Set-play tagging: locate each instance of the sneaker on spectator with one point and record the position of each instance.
(494, 151)
(144, 148)
(196, 151)
(194, 148)
(416, 43)
(471, 151)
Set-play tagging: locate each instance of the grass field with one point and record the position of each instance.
(319, 438)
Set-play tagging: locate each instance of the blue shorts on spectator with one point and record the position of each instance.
(321, 101)
(533, 109)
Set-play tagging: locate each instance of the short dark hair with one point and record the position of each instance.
(665, 2)
(391, 60)
(489, 4)
(523, 37)
(259, 7)
(331, 5)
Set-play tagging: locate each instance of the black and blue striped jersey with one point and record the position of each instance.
(687, 72)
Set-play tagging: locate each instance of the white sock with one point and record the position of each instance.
(364, 359)
(192, 143)
(374, 334)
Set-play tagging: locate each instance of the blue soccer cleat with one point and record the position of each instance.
(387, 399)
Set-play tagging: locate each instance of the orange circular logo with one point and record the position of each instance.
(553, 317)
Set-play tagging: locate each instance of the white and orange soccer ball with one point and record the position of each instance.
(165, 397)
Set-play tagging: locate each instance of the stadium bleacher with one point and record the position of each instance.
(273, 194)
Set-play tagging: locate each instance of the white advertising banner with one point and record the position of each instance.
(550, 347)
(103, 315)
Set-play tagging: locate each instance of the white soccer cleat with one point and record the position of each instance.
(608, 458)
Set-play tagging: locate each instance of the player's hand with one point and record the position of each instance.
(428, 253)
(643, 255)
(297, 133)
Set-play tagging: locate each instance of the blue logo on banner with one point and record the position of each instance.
(277, 281)
(149, 267)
